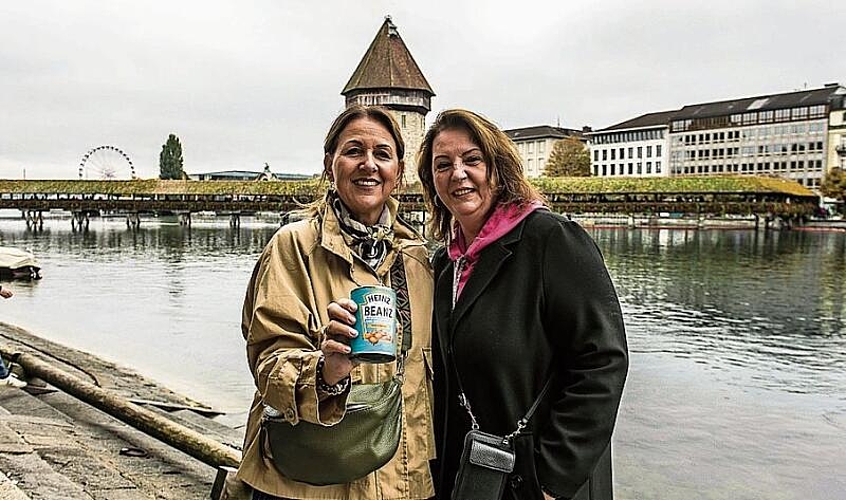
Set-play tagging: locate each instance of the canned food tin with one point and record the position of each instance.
(376, 324)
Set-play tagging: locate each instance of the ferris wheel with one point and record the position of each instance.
(106, 163)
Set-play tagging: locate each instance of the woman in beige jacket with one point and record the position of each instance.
(350, 239)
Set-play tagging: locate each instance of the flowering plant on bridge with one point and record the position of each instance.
(679, 184)
(153, 187)
(718, 194)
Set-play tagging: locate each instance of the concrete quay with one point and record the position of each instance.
(55, 446)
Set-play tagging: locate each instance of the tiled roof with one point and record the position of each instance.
(387, 64)
(831, 93)
(661, 118)
(540, 132)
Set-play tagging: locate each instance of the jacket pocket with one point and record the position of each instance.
(523, 482)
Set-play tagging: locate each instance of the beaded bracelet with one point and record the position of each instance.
(330, 390)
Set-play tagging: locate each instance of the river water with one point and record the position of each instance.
(737, 386)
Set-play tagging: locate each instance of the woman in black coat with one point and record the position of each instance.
(522, 296)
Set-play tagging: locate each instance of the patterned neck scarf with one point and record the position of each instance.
(371, 243)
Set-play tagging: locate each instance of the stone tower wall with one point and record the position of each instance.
(413, 125)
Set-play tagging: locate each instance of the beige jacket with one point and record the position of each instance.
(305, 266)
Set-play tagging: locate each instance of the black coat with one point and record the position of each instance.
(539, 301)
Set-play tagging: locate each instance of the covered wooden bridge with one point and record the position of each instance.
(740, 195)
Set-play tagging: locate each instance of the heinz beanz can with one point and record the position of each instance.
(376, 323)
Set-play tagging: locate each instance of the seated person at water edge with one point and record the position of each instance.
(6, 376)
(349, 239)
(522, 296)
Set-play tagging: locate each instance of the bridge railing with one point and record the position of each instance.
(412, 204)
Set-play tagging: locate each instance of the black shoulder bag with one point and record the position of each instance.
(487, 459)
(365, 439)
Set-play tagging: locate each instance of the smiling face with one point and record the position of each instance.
(365, 168)
(460, 177)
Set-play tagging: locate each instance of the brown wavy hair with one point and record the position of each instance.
(505, 168)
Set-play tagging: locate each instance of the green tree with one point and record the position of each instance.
(569, 158)
(170, 159)
(834, 184)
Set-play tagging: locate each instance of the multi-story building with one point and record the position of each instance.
(836, 156)
(779, 134)
(633, 148)
(792, 135)
(535, 145)
(387, 75)
(248, 175)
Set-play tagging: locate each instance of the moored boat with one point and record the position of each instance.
(18, 264)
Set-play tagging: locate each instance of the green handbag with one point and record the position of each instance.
(364, 440)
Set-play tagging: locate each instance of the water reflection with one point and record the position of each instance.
(737, 387)
(769, 303)
(149, 299)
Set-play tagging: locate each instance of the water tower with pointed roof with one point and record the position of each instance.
(387, 75)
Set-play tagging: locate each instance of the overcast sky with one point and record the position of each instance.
(248, 82)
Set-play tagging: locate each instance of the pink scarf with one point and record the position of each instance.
(504, 218)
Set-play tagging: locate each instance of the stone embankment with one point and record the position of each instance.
(53, 445)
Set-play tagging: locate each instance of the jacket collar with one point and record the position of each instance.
(332, 240)
(489, 263)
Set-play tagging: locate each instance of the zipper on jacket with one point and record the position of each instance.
(456, 277)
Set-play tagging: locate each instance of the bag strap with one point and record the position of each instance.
(400, 285)
(521, 424)
(462, 397)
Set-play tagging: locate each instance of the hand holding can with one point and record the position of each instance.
(336, 338)
(376, 324)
